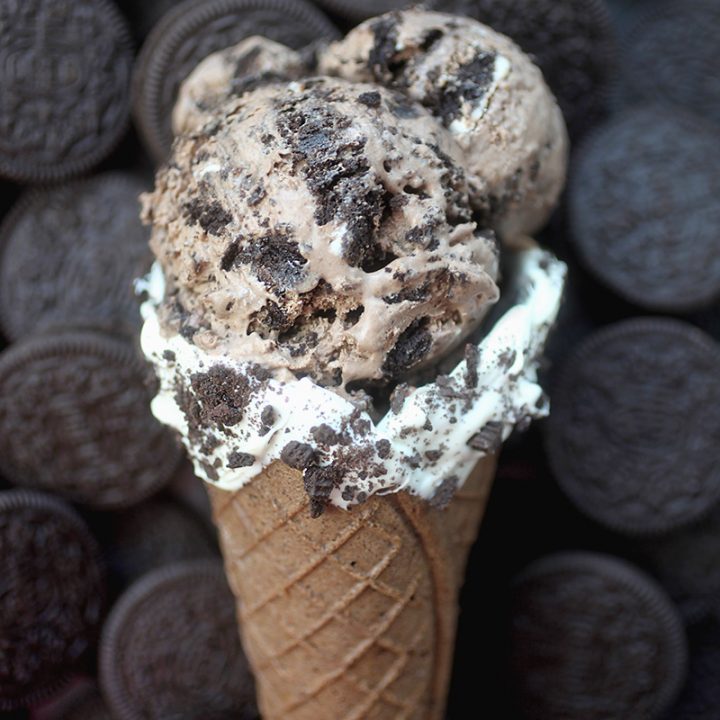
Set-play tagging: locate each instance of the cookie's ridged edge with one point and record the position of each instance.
(686, 333)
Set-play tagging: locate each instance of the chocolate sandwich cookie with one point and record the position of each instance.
(645, 208)
(634, 433)
(192, 31)
(75, 419)
(170, 649)
(593, 638)
(570, 40)
(670, 55)
(65, 76)
(69, 255)
(52, 595)
(151, 535)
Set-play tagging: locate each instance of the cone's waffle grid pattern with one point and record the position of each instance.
(351, 615)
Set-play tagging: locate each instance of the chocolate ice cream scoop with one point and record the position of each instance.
(325, 227)
(251, 63)
(488, 94)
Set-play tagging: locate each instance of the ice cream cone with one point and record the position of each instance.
(353, 614)
(319, 262)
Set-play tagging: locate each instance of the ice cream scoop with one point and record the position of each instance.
(251, 63)
(487, 93)
(323, 228)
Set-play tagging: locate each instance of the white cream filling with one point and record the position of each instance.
(474, 112)
(428, 437)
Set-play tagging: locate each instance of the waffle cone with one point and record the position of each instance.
(353, 614)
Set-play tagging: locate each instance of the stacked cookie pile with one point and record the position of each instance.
(592, 592)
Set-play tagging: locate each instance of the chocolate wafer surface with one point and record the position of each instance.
(644, 207)
(170, 649)
(52, 595)
(670, 56)
(593, 638)
(69, 255)
(152, 534)
(75, 419)
(633, 437)
(65, 77)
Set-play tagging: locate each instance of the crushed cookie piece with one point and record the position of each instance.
(325, 435)
(398, 396)
(238, 459)
(298, 455)
(472, 358)
(383, 448)
(445, 492)
(319, 483)
(489, 438)
(507, 358)
(267, 418)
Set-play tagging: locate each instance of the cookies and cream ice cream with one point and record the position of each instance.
(323, 243)
(485, 91)
(321, 227)
(251, 63)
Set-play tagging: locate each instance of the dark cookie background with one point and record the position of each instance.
(663, 55)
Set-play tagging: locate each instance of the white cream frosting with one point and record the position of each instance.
(434, 439)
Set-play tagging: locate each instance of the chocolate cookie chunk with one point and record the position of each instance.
(52, 595)
(170, 648)
(151, 535)
(570, 40)
(593, 638)
(192, 31)
(65, 78)
(69, 255)
(634, 431)
(75, 419)
(645, 208)
(671, 56)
